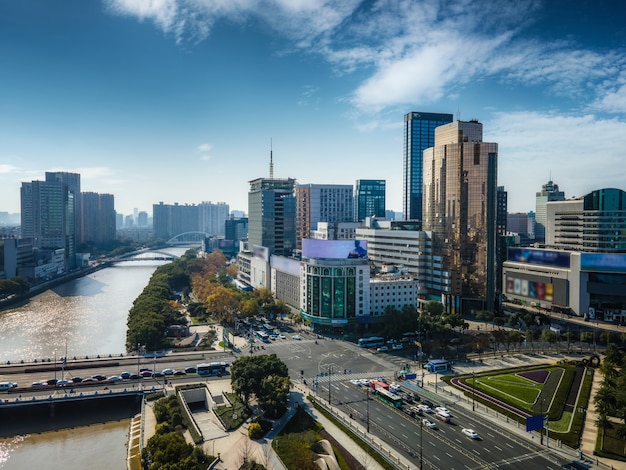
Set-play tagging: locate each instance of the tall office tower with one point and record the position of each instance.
(72, 181)
(549, 192)
(501, 240)
(369, 199)
(321, 203)
(212, 217)
(97, 218)
(460, 207)
(419, 134)
(47, 214)
(272, 215)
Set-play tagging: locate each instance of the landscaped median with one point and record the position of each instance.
(560, 391)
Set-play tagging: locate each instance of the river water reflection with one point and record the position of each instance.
(88, 316)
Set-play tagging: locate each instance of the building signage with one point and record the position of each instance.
(334, 249)
(603, 262)
(530, 289)
(559, 259)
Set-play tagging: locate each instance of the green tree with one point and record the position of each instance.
(261, 376)
(531, 336)
(433, 308)
(549, 336)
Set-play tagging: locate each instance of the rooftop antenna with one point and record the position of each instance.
(458, 113)
(271, 162)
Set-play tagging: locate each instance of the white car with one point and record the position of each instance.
(383, 349)
(7, 385)
(397, 346)
(356, 382)
(282, 336)
(298, 337)
(425, 408)
(470, 433)
(114, 378)
(429, 424)
(442, 410)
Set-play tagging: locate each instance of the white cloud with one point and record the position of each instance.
(205, 147)
(6, 168)
(579, 153)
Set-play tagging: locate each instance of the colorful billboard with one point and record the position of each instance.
(531, 289)
(334, 249)
(558, 259)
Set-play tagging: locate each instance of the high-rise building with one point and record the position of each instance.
(272, 215)
(419, 134)
(212, 217)
(460, 208)
(236, 229)
(549, 192)
(47, 214)
(97, 218)
(321, 203)
(369, 199)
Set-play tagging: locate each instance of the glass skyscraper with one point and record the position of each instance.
(419, 134)
(369, 199)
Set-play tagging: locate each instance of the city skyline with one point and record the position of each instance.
(177, 101)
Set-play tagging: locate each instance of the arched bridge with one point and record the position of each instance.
(188, 238)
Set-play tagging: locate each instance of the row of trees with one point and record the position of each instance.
(610, 399)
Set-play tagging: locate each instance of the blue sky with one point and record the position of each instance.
(178, 100)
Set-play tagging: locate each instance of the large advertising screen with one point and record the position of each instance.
(334, 249)
(558, 259)
(531, 289)
(603, 262)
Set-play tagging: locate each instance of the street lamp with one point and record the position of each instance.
(329, 369)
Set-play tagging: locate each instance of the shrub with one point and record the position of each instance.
(255, 431)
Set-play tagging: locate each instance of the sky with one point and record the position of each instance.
(181, 101)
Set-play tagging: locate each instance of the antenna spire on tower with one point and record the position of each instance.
(271, 162)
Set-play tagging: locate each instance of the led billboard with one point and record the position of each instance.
(558, 259)
(603, 262)
(531, 289)
(334, 249)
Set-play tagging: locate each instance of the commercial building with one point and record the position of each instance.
(272, 215)
(335, 231)
(172, 220)
(582, 269)
(419, 134)
(460, 209)
(369, 199)
(97, 218)
(321, 203)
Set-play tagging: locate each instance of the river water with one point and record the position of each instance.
(84, 317)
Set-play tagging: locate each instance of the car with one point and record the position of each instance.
(146, 373)
(144, 369)
(443, 417)
(424, 408)
(470, 433)
(99, 377)
(133, 376)
(282, 336)
(191, 370)
(158, 374)
(77, 379)
(365, 382)
(356, 382)
(397, 346)
(180, 372)
(429, 424)
(51, 381)
(383, 349)
(168, 371)
(442, 410)
(63, 383)
(114, 378)
(297, 337)
(428, 403)
(125, 375)
(89, 380)
(41, 383)
(7, 385)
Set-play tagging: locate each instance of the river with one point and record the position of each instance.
(85, 317)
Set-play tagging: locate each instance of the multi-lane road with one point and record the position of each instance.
(320, 362)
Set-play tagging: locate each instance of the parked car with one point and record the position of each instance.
(470, 433)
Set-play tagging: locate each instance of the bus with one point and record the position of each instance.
(263, 336)
(372, 342)
(212, 368)
(387, 397)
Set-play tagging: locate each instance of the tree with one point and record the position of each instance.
(532, 335)
(548, 336)
(223, 304)
(265, 377)
(433, 308)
